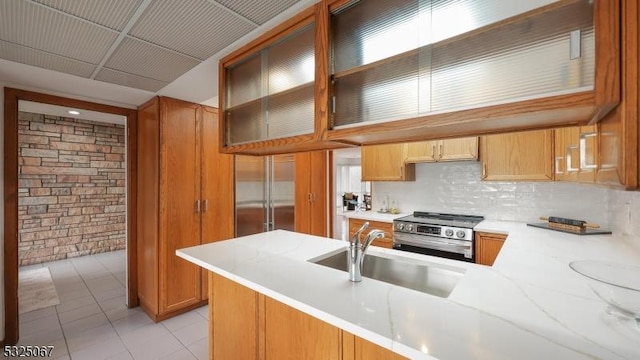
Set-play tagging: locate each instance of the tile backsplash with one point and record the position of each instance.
(456, 187)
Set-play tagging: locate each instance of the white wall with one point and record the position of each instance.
(456, 187)
(2, 213)
(625, 215)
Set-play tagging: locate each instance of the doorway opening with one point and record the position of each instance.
(14, 203)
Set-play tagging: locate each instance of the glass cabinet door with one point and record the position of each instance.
(270, 94)
(394, 60)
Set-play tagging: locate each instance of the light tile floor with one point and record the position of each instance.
(92, 321)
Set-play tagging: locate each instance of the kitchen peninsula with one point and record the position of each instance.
(529, 305)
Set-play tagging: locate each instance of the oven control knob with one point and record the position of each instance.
(400, 226)
(460, 234)
(410, 227)
(448, 232)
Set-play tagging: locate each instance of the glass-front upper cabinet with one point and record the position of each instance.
(270, 94)
(407, 59)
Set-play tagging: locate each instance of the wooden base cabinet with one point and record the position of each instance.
(244, 324)
(386, 241)
(576, 154)
(488, 246)
(184, 199)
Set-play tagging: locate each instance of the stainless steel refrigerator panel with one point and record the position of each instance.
(250, 194)
(282, 192)
(264, 192)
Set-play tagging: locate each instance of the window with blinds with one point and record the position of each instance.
(401, 59)
(270, 94)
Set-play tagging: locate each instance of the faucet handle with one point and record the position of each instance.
(372, 235)
(356, 236)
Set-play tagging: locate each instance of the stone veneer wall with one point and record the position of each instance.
(71, 188)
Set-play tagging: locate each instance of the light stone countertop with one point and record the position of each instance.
(372, 215)
(529, 305)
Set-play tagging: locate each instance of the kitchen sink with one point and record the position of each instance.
(430, 279)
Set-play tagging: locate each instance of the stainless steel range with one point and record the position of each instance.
(445, 235)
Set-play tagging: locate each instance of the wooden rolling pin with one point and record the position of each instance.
(570, 222)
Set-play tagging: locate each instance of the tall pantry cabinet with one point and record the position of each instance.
(185, 198)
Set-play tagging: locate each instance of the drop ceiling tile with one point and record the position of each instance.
(197, 28)
(258, 11)
(139, 58)
(24, 55)
(130, 80)
(112, 14)
(37, 27)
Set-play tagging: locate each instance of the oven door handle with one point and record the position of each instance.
(428, 242)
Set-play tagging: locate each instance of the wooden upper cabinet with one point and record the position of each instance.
(576, 154)
(618, 138)
(330, 76)
(534, 67)
(443, 150)
(518, 156)
(386, 163)
(273, 91)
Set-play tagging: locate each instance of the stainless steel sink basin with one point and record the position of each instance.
(431, 279)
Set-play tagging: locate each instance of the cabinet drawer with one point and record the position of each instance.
(386, 241)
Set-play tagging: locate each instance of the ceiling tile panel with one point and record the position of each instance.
(194, 27)
(37, 27)
(113, 14)
(130, 80)
(258, 11)
(24, 55)
(137, 57)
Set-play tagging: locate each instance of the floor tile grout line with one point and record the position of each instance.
(75, 270)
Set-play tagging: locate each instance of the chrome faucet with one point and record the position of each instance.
(357, 251)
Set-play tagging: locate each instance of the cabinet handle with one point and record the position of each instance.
(440, 153)
(559, 164)
(310, 197)
(484, 170)
(197, 206)
(433, 152)
(568, 157)
(583, 150)
(205, 205)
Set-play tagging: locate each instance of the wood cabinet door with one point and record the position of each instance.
(233, 320)
(576, 153)
(311, 182)
(421, 151)
(386, 163)
(357, 348)
(386, 241)
(179, 216)
(458, 149)
(518, 156)
(292, 334)
(488, 246)
(216, 194)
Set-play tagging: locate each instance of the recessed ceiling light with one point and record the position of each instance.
(74, 112)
